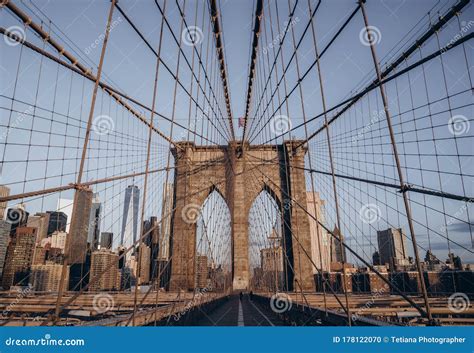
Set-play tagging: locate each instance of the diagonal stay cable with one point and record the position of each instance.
(280, 45)
(253, 59)
(115, 93)
(415, 45)
(335, 236)
(165, 65)
(308, 70)
(219, 44)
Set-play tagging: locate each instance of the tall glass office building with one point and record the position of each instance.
(130, 216)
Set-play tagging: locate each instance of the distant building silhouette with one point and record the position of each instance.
(105, 260)
(4, 240)
(76, 245)
(152, 240)
(65, 206)
(202, 272)
(40, 221)
(106, 240)
(58, 240)
(337, 254)
(271, 263)
(145, 258)
(39, 257)
(19, 257)
(4, 192)
(130, 217)
(271, 259)
(94, 223)
(57, 222)
(321, 257)
(376, 259)
(392, 248)
(47, 277)
(454, 261)
(166, 211)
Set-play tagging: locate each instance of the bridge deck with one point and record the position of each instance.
(32, 310)
(236, 312)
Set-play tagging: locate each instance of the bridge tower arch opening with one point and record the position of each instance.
(265, 229)
(213, 243)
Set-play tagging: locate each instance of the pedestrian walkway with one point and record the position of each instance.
(236, 312)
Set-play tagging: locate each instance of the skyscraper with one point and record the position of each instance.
(392, 248)
(76, 244)
(47, 277)
(19, 257)
(321, 257)
(271, 259)
(376, 258)
(130, 216)
(151, 231)
(57, 222)
(94, 223)
(337, 254)
(166, 211)
(106, 240)
(58, 240)
(39, 257)
(202, 272)
(40, 221)
(105, 260)
(145, 257)
(4, 191)
(65, 206)
(4, 240)
(152, 239)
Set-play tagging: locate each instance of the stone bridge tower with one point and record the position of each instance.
(239, 175)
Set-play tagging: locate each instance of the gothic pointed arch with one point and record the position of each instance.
(239, 173)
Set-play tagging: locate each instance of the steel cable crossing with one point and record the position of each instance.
(354, 163)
